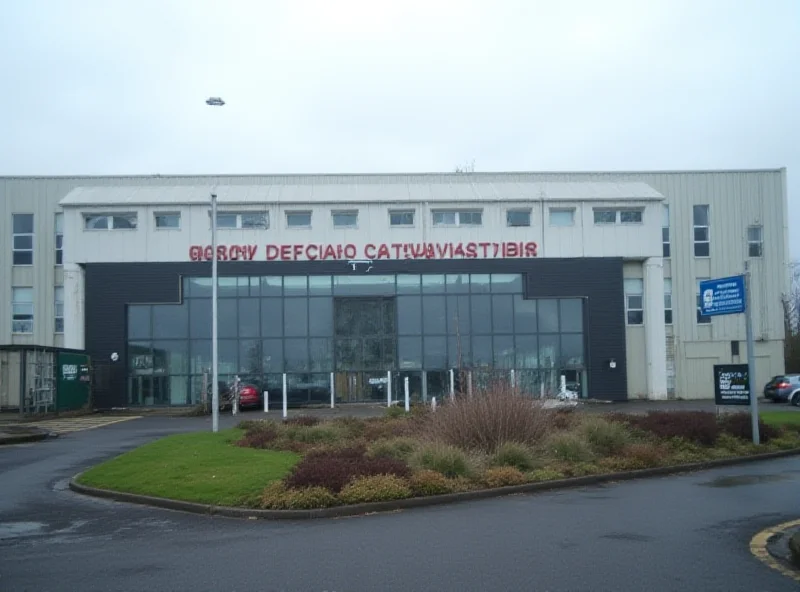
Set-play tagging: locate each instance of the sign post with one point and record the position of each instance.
(724, 296)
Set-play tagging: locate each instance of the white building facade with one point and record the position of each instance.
(533, 276)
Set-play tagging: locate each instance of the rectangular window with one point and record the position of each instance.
(457, 218)
(518, 217)
(22, 310)
(701, 320)
(298, 219)
(667, 301)
(22, 240)
(59, 238)
(345, 219)
(634, 301)
(168, 220)
(631, 216)
(243, 220)
(59, 309)
(562, 217)
(665, 232)
(702, 238)
(605, 216)
(755, 241)
(401, 218)
(121, 221)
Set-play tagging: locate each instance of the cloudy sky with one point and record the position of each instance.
(117, 86)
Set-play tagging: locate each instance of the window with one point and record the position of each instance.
(562, 217)
(122, 221)
(634, 301)
(22, 246)
(243, 220)
(168, 220)
(298, 219)
(518, 217)
(667, 301)
(59, 309)
(59, 238)
(345, 219)
(631, 216)
(457, 218)
(701, 320)
(22, 310)
(605, 216)
(401, 218)
(755, 241)
(665, 231)
(702, 240)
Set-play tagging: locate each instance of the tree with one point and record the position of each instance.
(791, 320)
(466, 168)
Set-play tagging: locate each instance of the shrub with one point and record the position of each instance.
(605, 437)
(375, 488)
(694, 426)
(352, 427)
(316, 434)
(513, 454)
(644, 455)
(488, 419)
(786, 441)
(333, 471)
(564, 419)
(739, 425)
(569, 447)
(400, 448)
(429, 482)
(545, 474)
(442, 458)
(503, 476)
(378, 428)
(277, 497)
(395, 411)
(302, 420)
(582, 469)
(259, 435)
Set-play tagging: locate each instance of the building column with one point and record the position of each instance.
(74, 300)
(654, 329)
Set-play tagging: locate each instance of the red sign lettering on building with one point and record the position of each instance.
(326, 252)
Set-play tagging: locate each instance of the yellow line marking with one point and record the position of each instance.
(758, 547)
(78, 424)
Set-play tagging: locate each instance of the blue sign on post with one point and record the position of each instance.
(722, 296)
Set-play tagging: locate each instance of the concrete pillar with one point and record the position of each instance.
(74, 306)
(654, 329)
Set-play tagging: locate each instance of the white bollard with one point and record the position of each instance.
(433, 405)
(513, 379)
(452, 384)
(285, 398)
(235, 404)
(408, 401)
(333, 393)
(266, 401)
(469, 383)
(389, 388)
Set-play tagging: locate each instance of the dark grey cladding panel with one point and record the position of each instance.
(111, 286)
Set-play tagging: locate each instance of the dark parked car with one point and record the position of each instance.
(784, 388)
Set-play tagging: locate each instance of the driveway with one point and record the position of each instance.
(687, 532)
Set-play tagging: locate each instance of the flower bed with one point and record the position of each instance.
(494, 438)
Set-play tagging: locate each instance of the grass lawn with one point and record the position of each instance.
(778, 418)
(200, 467)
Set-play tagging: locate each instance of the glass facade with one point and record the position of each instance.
(357, 328)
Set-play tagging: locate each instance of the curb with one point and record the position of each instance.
(416, 502)
(759, 547)
(23, 438)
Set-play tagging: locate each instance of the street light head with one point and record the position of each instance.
(215, 102)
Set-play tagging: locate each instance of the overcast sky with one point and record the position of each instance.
(315, 86)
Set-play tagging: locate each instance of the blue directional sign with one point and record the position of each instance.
(722, 296)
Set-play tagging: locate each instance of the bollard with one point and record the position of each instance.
(285, 399)
(266, 401)
(389, 388)
(408, 401)
(333, 393)
(452, 384)
(433, 405)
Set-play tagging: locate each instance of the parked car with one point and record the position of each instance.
(250, 396)
(784, 388)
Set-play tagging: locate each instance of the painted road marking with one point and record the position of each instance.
(77, 424)
(758, 547)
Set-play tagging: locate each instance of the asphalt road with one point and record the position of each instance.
(689, 532)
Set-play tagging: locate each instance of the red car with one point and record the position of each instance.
(249, 396)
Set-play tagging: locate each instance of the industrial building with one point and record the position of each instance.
(351, 283)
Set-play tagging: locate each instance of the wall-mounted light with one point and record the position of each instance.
(114, 357)
(612, 363)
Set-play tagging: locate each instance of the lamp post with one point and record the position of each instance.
(214, 102)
